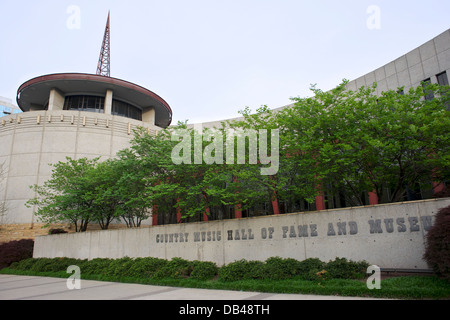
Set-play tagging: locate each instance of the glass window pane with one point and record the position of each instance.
(442, 79)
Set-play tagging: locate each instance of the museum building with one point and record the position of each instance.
(93, 115)
(70, 115)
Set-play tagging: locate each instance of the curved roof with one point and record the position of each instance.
(35, 92)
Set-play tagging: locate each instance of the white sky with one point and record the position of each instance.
(210, 59)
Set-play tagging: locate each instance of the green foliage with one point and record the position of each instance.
(65, 196)
(274, 268)
(242, 269)
(119, 267)
(437, 250)
(349, 142)
(204, 270)
(279, 268)
(98, 266)
(312, 276)
(359, 142)
(308, 268)
(175, 268)
(146, 267)
(341, 268)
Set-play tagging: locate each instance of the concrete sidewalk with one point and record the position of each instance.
(40, 288)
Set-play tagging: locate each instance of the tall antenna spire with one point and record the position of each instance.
(103, 68)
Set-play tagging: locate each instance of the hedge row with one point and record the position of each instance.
(15, 251)
(274, 268)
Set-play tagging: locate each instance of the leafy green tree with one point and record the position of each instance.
(65, 196)
(358, 142)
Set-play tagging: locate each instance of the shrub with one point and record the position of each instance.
(119, 267)
(98, 266)
(233, 271)
(278, 268)
(204, 270)
(314, 275)
(175, 268)
(15, 251)
(308, 268)
(25, 264)
(57, 231)
(61, 264)
(437, 248)
(42, 265)
(341, 268)
(146, 267)
(242, 269)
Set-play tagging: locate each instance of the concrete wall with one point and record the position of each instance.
(426, 61)
(30, 141)
(390, 236)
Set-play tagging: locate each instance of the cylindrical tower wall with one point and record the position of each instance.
(31, 141)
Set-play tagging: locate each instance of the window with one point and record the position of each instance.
(120, 108)
(442, 79)
(85, 103)
(428, 93)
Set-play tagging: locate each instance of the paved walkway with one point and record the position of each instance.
(40, 288)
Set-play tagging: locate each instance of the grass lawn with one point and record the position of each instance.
(405, 287)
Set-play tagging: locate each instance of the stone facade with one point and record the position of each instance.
(390, 236)
(31, 141)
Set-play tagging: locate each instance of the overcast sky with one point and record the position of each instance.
(210, 59)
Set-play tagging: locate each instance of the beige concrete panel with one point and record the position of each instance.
(352, 85)
(93, 143)
(416, 73)
(19, 188)
(370, 78)
(404, 78)
(24, 165)
(401, 64)
(4, 160)
(361, 82)
(380, 74)
(382, 86)
(390, 69)
(413, 57)
(431, 67)
(444, 60)
(118, 144)
(427, 50)
(47, 160)
(17, 212)
(6, 141)
(57, 140)
(442, 42)
(28, 142)
(392, 82)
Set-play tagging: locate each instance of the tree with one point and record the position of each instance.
(102, 191)
(67, 195)
(357, 142)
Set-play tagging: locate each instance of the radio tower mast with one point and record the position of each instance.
(103, 68)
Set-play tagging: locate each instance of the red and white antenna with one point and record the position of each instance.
(104, 62)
